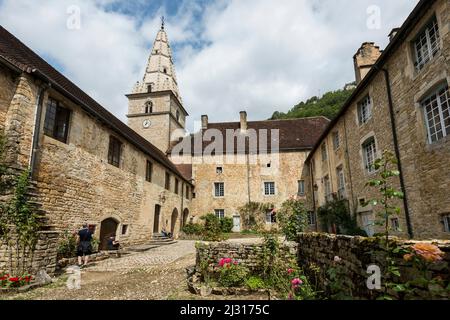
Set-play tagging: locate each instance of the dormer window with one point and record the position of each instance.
(427, 44)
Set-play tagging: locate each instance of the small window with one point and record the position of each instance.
(148, 107)
(124, 229)
(165, 70)
(301, 187)
(56, 124)
(437, 114)
(324, 152)
(269, 188)
(177, 185)
(427, 44)
(178, 115)
(167, 181)
(362, 202)
(369, 154)
(219, 170)
(149, 88)
(219, 189)
(446, 221)
(193, 195)
(395, 224)
(220, 213)
(336, 140)
(311, 218)
(149, 171)
(341, 182)
(115, 152)
(188, 190)
(365, 110)
(269, 165)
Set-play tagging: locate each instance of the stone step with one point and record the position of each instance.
(162, 243)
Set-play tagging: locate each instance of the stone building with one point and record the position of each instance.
(88, 165)
(401, 104)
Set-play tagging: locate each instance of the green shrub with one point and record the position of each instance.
(193, 229)
(255, 283)
(231, 273)
(335, 217)
(212, 230)
(226, 224)
(67, 246)
(292, 218)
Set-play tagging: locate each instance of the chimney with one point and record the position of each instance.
(393, 33)
(364, 59)
(204, 122)
(243, 115)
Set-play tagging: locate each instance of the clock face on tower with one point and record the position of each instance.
(146, 124)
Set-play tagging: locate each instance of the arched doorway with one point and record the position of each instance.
(108, 227)
(185, 217)
(174, 220)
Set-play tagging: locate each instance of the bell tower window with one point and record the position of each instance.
(148, 107)
(149, 88)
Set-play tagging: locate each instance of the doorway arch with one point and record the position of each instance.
(174, 220)
(108, 228)
(185, 217)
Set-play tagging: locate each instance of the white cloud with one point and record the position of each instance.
(258, 55)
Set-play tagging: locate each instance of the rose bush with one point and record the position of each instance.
(231, 273)
(8, 281)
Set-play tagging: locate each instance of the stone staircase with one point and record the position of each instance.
(158, 240)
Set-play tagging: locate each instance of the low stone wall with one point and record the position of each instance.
(249, 255)
(45, 255)
(357, 253)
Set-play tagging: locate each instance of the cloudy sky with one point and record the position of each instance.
(230, 55)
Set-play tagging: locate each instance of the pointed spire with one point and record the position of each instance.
(160, 72)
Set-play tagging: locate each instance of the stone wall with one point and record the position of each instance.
(248, 255)
(424, 165)
(285, 170)
(357, 253)
(45, 255)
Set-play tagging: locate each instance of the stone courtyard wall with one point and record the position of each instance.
(357, 253)
(45, 255)
(248, 255)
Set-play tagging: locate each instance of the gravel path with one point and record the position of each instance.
(157, 274)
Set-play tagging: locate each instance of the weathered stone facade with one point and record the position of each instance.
(357, 254)
(425, 166)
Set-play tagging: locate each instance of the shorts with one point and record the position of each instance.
(84, 248)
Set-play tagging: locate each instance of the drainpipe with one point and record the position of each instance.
(247, 158)
(347, 157)
(311, 173)
(397, 152)
(37, 128)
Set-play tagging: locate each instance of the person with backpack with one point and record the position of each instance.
(84, 248)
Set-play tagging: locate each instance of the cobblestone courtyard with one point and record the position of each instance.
(157, 274)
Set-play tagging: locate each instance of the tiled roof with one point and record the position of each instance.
(18, 54)
(293, 135)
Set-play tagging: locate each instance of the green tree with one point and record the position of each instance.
(292, 218)
(328, 106)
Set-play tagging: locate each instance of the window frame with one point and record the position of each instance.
(312, 218)
(115, 151)
(365, 110)
(52, 125)
(324, 151)
(301, 187)
(336, 140)
(328, 190)
(167, 181)
(219, 213)
(219, 189)
(340, 182)
(149, 171)
(426, 103)
(369, 166)
(429, 53)
(446, 222)
(269, 188)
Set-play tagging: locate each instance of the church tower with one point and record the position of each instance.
(155, 108)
